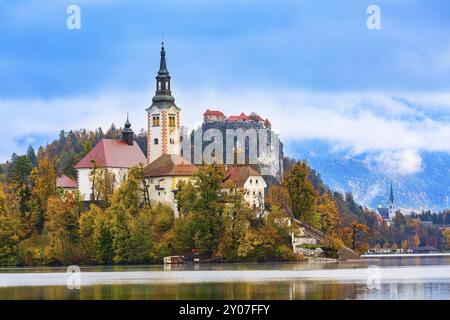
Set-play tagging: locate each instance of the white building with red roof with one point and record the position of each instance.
(164, 176)
(251, 183)
(66, 184)
(117, 156)
(213, 115)
(218, 116)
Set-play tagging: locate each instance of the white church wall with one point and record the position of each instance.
(155, 149)
(85, 183)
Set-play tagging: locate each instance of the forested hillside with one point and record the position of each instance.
(40, 224)
(66, 151)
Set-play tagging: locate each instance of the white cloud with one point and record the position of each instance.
(393, 162)
(393, 128)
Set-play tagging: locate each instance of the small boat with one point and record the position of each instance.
(173, 260)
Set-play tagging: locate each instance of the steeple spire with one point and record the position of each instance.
(162, 65)
(163, 96)
(127, 123)
(391, 196)
(127, 133)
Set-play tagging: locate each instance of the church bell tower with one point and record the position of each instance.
(163, 117)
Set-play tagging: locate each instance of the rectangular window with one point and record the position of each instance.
(155, 121)
(171, 120)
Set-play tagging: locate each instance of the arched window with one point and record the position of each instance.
(171, 120)
(156, 141)
(155, 120)
(159, 85)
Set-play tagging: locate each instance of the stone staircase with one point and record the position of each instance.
(309, 235)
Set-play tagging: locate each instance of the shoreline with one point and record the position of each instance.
(405, 255)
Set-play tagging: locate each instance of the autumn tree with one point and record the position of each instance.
(394, 247)
(405, 245)
(102, 236)
(206, 208)
(329, 214)
(62, 228)
(235, 222)
(119, 231)
(277, 196)
(271, 241)
(301, 194)
(102, 184)
(446, 233)
(355, 229)
(142, 239)
(43, 179)
(416, 241)
(10, 233)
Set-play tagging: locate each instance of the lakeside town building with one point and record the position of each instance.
(66, 184)
(388, 213)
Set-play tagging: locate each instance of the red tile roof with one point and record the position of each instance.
(65, 182)
(169, 165)
(213, 113)
(267, 123)
(255, 117)
(239, 175)
(113, 153)
(241, 117)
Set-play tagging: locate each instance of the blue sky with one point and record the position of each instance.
(312, 67)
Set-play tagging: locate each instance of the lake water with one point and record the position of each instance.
(385, 278)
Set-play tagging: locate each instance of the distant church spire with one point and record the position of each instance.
(391, 196)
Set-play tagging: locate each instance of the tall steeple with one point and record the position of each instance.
(163, 96)
(163, 116)
(391, 196)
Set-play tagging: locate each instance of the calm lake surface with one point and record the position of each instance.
(391, 278)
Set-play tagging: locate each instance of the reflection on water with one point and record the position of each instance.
(291, 289)
(282, 290)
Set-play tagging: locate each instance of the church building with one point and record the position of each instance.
(117, 156)
(164, 165)
(388, 213)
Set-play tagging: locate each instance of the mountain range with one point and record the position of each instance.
(346, 171)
